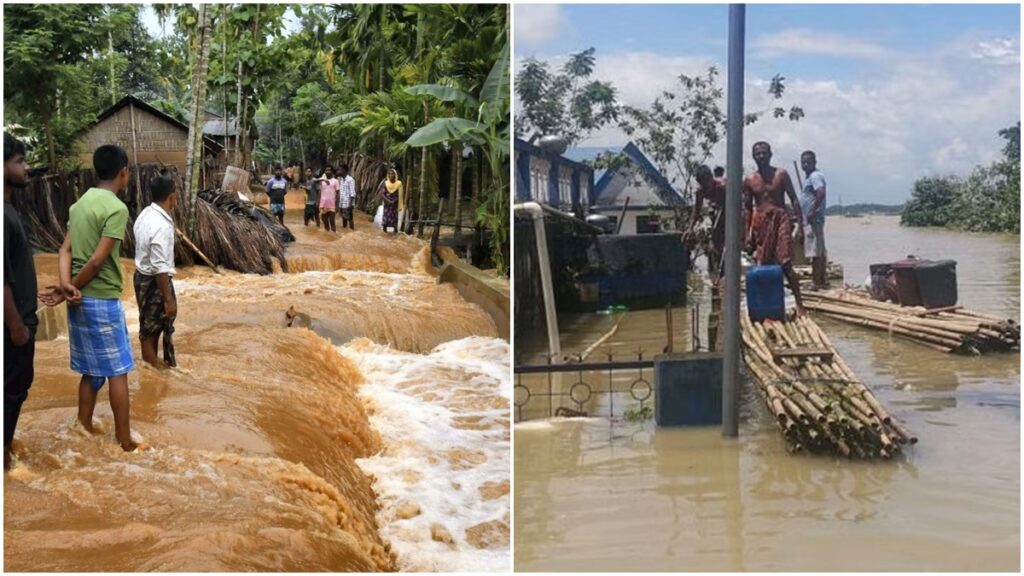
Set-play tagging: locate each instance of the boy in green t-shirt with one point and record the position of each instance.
(91, 280)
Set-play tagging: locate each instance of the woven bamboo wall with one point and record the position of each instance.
(157, 140)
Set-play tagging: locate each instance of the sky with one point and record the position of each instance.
(152, 23)
(891, 92)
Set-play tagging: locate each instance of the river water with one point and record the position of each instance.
(377, 441)
(600, 494)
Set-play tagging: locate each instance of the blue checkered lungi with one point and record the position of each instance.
(100, 347)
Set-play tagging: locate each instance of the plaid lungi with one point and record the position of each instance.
(773, 236)
(99, 339)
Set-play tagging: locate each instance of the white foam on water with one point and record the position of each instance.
(414, 402)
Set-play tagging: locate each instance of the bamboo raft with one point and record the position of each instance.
(950, 329)
(818, 403)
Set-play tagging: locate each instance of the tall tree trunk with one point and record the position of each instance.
(224, 71)
(383, 45)
(239, 122)
(477, 173)
(48, 126)
(194, 165)
(410, 191)
(458, 191)
(451, 171)
(423, 183)
(110, 58)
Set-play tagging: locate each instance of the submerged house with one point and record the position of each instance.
(652, 200)
(147, 134)
(552, 179)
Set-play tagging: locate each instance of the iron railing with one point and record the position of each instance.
(570, 400)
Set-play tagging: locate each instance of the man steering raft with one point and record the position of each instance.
(769, 231)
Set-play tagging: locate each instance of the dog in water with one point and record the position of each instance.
(298, 319)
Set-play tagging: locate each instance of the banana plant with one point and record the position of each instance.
(487, 131)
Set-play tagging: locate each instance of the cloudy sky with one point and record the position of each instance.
(891, 93)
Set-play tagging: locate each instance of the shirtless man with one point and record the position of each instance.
(713, 191)
(769, 230)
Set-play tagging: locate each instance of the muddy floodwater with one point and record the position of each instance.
(600, 494)
(378, 440)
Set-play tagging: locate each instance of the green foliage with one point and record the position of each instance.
(988, 200)
(488, 131)
(681, 128)
(568, 103)
(639, 414)
(44, 48)
(860, 209)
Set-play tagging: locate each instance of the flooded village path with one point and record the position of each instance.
(379, 442)
(597, 495)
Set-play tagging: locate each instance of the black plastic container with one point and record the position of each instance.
(936, 283)
(907, 289)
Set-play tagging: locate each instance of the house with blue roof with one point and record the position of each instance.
(552, 179)
(653, 203)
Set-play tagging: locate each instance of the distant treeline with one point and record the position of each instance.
(986, 201)
(860, 209)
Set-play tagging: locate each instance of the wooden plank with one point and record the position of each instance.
(823, 353)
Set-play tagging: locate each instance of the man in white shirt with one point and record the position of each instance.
(348, 197)
(812, 204)
(154, 267)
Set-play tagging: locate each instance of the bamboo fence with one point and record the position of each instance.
(818, 403)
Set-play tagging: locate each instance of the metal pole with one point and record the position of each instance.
(734, 165)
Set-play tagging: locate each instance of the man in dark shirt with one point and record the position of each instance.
(312, 211)
(20, 293)
(277, 187)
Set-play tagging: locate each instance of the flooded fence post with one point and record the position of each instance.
(734, 164)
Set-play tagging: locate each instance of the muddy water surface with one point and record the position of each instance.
(262, 450)
(594, 494)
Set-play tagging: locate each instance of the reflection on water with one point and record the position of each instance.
(259, 449)
(598, 495)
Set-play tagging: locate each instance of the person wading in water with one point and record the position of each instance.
(713, 191)
(154, 268)
(20, 320)
(91, 279)
(769, 231)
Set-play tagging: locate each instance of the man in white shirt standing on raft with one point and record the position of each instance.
(812, 204)
(154, 268)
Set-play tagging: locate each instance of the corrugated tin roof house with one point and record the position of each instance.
(225, 133)
(653, 200)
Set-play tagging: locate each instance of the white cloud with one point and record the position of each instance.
(915, 114)
(810, 42)
(1002, 50)
(538, 23)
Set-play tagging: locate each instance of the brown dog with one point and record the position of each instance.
(298, 319)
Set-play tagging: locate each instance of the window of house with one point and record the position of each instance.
(648, 224)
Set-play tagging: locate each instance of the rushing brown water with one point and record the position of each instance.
(261, 450)
(599, 495)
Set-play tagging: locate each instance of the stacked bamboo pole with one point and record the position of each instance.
(818, 403)
(950, 329)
